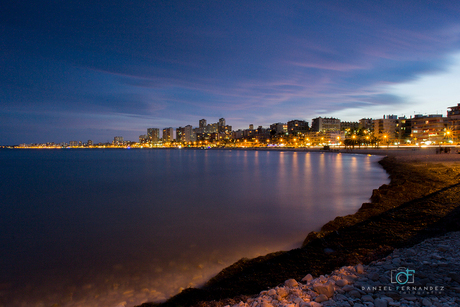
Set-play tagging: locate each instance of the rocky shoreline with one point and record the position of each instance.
(421, 201)
(432, 280)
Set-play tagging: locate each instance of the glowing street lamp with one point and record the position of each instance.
(448, 134)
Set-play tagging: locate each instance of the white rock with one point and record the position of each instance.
(326, 289)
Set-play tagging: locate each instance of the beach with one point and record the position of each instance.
(421, 201)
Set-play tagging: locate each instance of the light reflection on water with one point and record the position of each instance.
(101, 227)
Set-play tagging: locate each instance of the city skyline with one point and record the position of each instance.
(96, 70)
(426, 129)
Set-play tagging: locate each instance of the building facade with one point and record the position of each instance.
(278, 128)
(429, 129)
(118, 141)
(168, 135)
(297, 127)
(453, 124)
(327, 124)
(153, 135)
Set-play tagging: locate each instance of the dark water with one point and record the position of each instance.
(104, 227)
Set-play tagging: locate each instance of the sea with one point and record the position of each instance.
(120, 227)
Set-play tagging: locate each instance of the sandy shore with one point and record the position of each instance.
(421, 201)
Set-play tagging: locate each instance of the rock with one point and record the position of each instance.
(282, 292)
(307, 278)
(298, 301)
(271, 292)
(348, 288)
(330, 302)
(291, 283)
(374, 276)
(367, 298)
(436, 256)
(443, 248)
(454, 276)
(354, 293)
(326, 289)
(379, 302)
(266, 304)
(340, 297)
(359, 269)
(315, 304)
(426, 302)
(321, 298)
(396, 261)
(341, 282)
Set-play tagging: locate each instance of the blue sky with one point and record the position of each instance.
(79, 70)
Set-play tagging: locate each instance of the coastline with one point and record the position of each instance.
(421, 191)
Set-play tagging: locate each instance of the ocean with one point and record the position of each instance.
(102, 227)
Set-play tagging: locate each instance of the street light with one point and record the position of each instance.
(448, 133)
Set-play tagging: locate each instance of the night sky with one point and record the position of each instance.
(79, 70)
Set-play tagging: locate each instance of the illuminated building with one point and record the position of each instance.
(168, 135)
(429, 129)
(297, 127)
(153, 135)
(327, 124)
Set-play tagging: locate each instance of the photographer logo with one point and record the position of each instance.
(402, 276)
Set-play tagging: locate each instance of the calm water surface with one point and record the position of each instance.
(103, 227)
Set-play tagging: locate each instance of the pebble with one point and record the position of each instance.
(434, 273)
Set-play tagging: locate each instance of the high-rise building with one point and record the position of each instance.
(202, 123)
(366, 124)
(73, 143)
(153, 135)
(278, 128)
(453, 124)
(386, 127)
(251, 126)
(326, 124)
(430, 129)
(185, 134)
(168, 134)
(351, 127)
(90, 143)
(212, 128)
(118, 141)
(297, 126)
(143, 138)
(221, 122)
